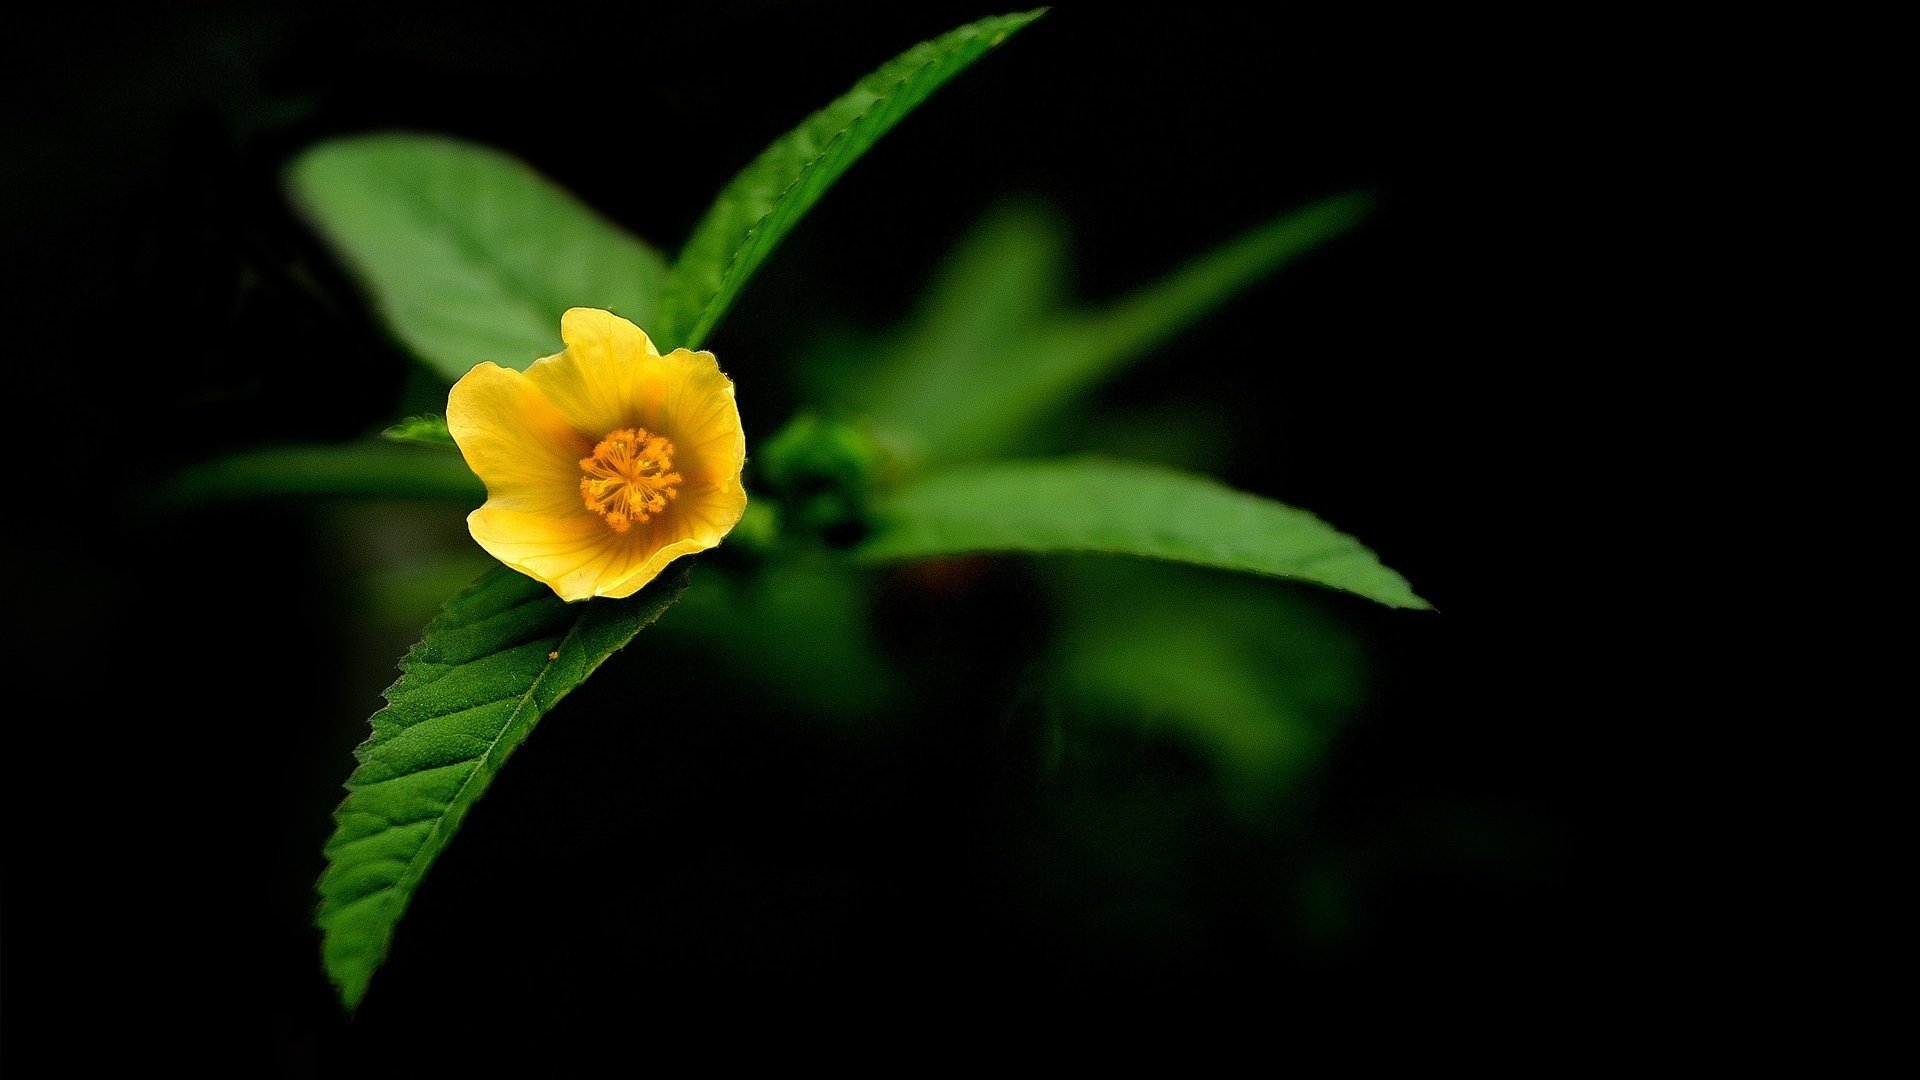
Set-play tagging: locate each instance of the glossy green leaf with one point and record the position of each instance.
(757, 209)
(468, 254)
(1255, 676)
(988, 359)
(495, 662)
(368, 470)
(428, 430)
(1122, 508)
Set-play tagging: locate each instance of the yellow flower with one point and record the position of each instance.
(604, 462)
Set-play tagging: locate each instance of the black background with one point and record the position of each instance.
(174, 735)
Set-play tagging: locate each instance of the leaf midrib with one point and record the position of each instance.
(410, 877)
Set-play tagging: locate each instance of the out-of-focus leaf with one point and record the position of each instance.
(412, 589)
(757, 209)
(1186, 433)
(804, 623)
(988, 359)
(468, 254)
(428, 430)
(1000, 284)
(374, 470)
(1254, 675)
(1123, 508)
(392, 565)
(499, 658)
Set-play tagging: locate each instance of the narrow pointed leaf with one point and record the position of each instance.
(429, 430)
(496, 661)
(365, 470)
(1121, 508)
(946, 397)
(757, 209)
(468, 254)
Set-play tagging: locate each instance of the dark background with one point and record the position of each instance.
(175, 733)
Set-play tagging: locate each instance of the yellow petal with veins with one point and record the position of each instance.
(595, 381)
(516, 441)
(692, 403)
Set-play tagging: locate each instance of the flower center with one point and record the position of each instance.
(629, 478)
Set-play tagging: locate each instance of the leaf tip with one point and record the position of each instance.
(1021, 21)
(352, 993)
(344, 965)
(1399, 594)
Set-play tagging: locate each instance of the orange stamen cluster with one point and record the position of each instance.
(629, 478)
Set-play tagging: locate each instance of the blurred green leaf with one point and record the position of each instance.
(1003, 281)
(499, 658)
(804, 623)
(1187, 431)
(355, 469)
(429, 430)
(988, 358)
(757, 209)
(1123, 508)
(468, 254)
(1255, 675)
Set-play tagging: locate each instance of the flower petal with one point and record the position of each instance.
(595, 379)
(517, 443)
(579, 557)
(699, 518)
(574, 554)
(687, 398)
(526, 434)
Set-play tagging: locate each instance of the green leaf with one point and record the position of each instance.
(429, 430)
(1254, 675)
(1121, 508)
(468, 254)
(757, 209)
(358, 469)
(987, 360)
(997, 288)
(840, 672)
(496, 661)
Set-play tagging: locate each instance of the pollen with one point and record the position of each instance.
(629, 478)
